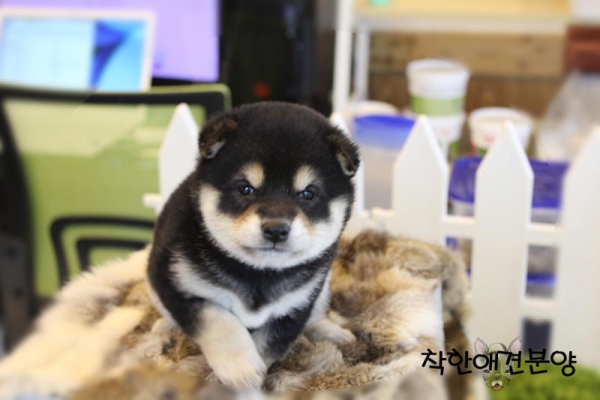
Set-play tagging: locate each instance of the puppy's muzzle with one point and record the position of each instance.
(275, 230)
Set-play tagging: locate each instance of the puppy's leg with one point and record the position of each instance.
(224, 340)
(229, 348)
(319, 327)
(326, 329)
(275, 338)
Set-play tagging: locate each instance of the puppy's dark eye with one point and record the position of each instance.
(246, 190)
(306, 195)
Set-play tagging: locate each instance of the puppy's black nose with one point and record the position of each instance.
(276, 231)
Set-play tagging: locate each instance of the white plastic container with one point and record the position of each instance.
(585, 10)
(486, 124)
(380, 138)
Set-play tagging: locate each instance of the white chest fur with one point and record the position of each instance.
(189, 282)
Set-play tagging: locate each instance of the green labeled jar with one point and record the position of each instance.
(437, 89)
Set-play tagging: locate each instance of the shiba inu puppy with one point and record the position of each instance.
(243, 248)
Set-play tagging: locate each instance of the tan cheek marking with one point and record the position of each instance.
(254, 174)
(306, 222)
(243, 219)
(304, 177)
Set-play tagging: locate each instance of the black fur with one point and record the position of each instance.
(281, 137)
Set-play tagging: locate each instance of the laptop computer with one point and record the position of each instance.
(76, 49)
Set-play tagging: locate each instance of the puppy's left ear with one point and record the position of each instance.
(345, 150)
(214, 134)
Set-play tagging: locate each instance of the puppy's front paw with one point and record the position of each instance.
(325, 329)
(341, 336)
(240, 369)
(230, 350)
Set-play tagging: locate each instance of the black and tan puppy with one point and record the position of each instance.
(243, 248)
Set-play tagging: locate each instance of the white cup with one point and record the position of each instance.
(486, 124)
(437, 87)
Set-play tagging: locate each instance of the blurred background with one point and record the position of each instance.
(88, 87)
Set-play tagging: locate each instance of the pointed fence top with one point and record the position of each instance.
(506, 157)
(338, 120)
(420, 185)
(178, 152)
(421, 142)
(588, 158)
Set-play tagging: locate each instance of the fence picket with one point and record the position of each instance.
(577, 326)
(178, 152)
(420, 186)
(499, 260)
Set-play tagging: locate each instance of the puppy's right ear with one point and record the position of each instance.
(214, 134)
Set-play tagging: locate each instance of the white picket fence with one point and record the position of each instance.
(501, 229)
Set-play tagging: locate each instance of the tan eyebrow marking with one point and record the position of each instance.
(254, 174)
(304, 177)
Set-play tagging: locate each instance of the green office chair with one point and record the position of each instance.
(73, 169)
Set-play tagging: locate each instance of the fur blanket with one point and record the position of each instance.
(102, 338)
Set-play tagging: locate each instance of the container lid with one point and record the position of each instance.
(388, 131)
(547, 181)
(543, 279)
(438, 79)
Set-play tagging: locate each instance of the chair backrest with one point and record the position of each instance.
(73, 169)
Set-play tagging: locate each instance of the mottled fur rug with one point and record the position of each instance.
(102, 338)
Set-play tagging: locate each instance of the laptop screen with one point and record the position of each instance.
(79, 53)
(186, 44)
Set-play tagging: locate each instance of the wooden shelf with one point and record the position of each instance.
(511, 16)
(466, 8)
